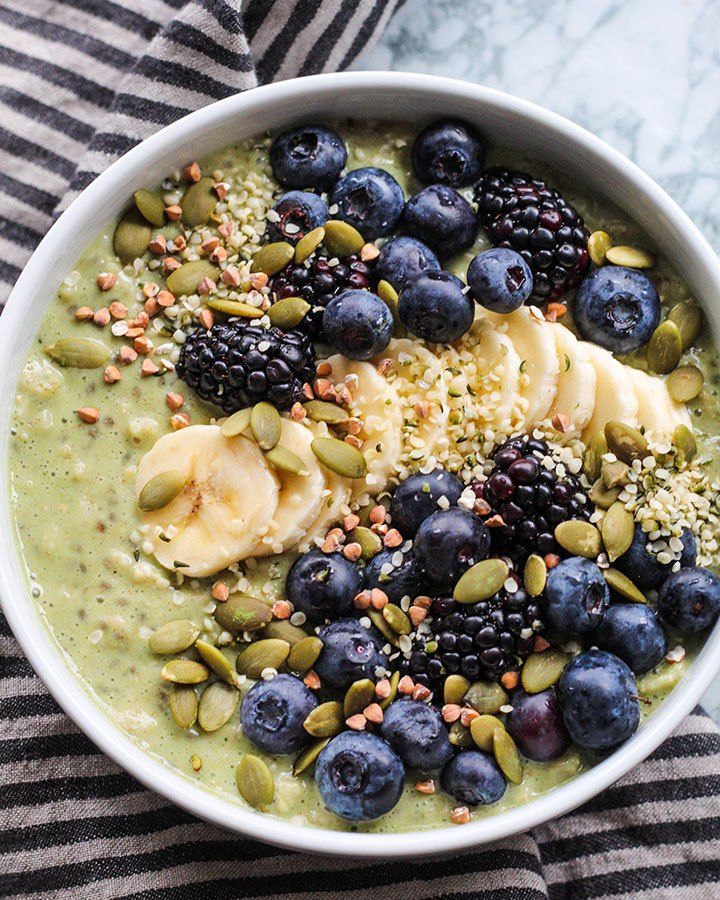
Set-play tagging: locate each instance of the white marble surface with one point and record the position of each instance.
(643, 75)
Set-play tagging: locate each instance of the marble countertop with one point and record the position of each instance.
(644, 76)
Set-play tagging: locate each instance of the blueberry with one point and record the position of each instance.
(350, 651)
(323, 585)
(442, 218)
(576, 596)
(417, 733)
(311, 156)
(643, 568)
(273, 713)
(500, 279)
(598, 698)
(404, 580)
(403, 258)
(536, 725)
(435, 306)
(358, 324)
(690, 600)
(449, 542)
(369, 199)
(632, 632)
(448, 152)
(417, 497)
(300, 212)
(359, 776)
(473, 777)
(617, 308)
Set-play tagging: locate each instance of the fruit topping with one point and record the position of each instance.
(536, 725)
(297, 213)
(357, 324)
(370, 199)
(402, 259)
(350, 651)
(448, 152)
(436, 306)
(322, 585)
(576, 596)
(474, 778)
(632, 632)
(417, 733)
(419, 496)
(645, 568)
(273, 712)
(441, 218)
(689, 600)
(311, 156)
(500, 280)
(397, 573)
(448, 543)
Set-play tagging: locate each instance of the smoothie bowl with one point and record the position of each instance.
(362, 475)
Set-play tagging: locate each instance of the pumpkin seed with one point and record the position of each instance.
(664, 348)
(235, 308)
(486, 697)
(237, 423)
(308, 244)
(308, 756)
(535, 575)
(685, 443)
(271, 258)
(269, 653)
(601, 496)
(216, 660)
(217, 706)
(322, 411)
(184, 671)
(266, 425)
(286, 461)
(595, 449)
(173, 637)
(378, 620)
(78, 353)
(599, 243)
(151, 207)
(283, 630)
(255, 781)
(630, 257)
(541, 670)
(625, 442)
(622, 585)
(304, 654)
(326, 720)
(614, 474)
(481, 581)
(618, 530)
(198, 202)
(482, 730)
(387, 293)
(685, 383)
(394, 681)
(396, 619)
(689, 319)
(359, 695)
(241, 612)
(455, 688)
(132, 236)
(183, 704)
(341, 239)
(579, 538)
(460, 736)
(507, 756)
(160, 490)
(183, 282)
(288, 312)
(339, 457)
(370, 543)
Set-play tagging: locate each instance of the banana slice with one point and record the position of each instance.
(614, 397)
(657, 411)
(577, 381)
(225, 508)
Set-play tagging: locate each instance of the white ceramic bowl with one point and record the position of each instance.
(505, 121)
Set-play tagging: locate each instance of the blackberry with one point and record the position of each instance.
(523, 213)
(235, 365)
(530, 499)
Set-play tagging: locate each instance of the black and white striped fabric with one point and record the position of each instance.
(81, 82)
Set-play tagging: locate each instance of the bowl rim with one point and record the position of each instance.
(66, 686)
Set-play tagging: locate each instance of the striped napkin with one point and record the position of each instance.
(83, 81)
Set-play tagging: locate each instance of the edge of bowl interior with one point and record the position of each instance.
(506, 120)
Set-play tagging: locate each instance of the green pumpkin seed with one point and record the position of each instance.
(198, 202)
(183, 282)
(396, 619)
(160, 490)
(132, 236)
(685, 443)
(269, 653)
(237, 423)
(183, 704)
(266, 425)
(601, 496)
(326, 720)
(618, 530)
(389, 296)
(394, 681)
(482, 581)
(322, 411)
(286, 461)
(626, 443)
(378, 620)
(217, 706)
(689, 319)
(482, 731)
(173, 637)
(664, 348)
(579, 538)
(541, 670)
(216, 660)
(685, 383)
(507, 756)
(535, 575)
(78, 353)
(622, 585)
(241, 612)
(359, 695)
(339, 457)
(341, 239)
(486, 697)
(288, 312)
(184, 671)
(272, 257)
(614, 474)
(630, 257)
(460, 736)
(370, 543)
(151, 207)
(283, 630)
(235, 308)
(255, 781)
(308, 244)
(595, 449)
(599, 243)
(455, 688)
(304, 654)
(308, 756)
